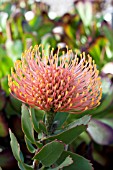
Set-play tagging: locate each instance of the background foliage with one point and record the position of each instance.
(25, 23)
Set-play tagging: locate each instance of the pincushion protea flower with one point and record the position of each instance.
(63, 83)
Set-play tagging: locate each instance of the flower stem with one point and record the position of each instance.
(50, 119)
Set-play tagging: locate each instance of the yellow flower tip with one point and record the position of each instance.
(15, 90)
(27, 100)
(39, 101)
(86, 108)
(98, 103)
(34, 99)
(71, 104)
(50, 99)
(59, 105)
(25, 95)
(9, 90)
(12, 69)
(69, 100)
(9, 78)
(73, 88)
(83, 54)
(92, 103)
(25, 85)
(77, 95)
(66, 92)
(92, 99)
(59, 96)
(59, 47)
(52, 49)
(85, 99)
(81, 101)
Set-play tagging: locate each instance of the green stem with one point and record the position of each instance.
(50, 119)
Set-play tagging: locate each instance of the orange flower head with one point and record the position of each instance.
(64, 83)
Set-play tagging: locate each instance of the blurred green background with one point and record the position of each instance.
(83, 26)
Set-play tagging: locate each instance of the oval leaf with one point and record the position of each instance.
(42, 127)
(100, 132)
(68, 161)
(15, 147)
(27, 124)
(61, 118)
(79, 162)
(50, 153)
(24, 166)
(30, 147)
(34, 120)
(73, 130)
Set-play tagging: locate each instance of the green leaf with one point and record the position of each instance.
(73, 130)
(108, 33)
(17, 153)
(79, 162)
(39, 115)
(50, 153)
(16, 104)
(46, 40)
(40, 135)
(68, 161)
(96, 50)
(24, 166)
(38, 120)
(5, 62)
(61, 117)
(4, 85)
(15, 147)
(10, 110)
(34, 120)
(27, 125)
(38, 144)
(42, 127)
(30, 147)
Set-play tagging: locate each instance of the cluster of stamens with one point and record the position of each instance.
(65, 83)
